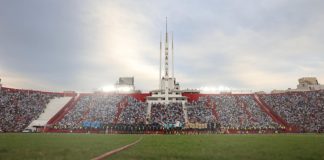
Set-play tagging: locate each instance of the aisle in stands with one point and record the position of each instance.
(134, 112)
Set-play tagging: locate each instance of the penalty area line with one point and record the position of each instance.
(108, 154)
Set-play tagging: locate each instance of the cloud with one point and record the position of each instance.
(83, 45)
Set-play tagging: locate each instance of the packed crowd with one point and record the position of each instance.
(200, 112)
(256, 115)
(167, 114)
(91, 108)
(18, 108)
(304, 109)
(241, 112)
(134, 112)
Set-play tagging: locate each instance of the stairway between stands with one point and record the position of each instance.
(86, 112)
(60, 114)
(243, 105)
(271, 113)
(120, 107)
(212, 104)
(185, 113)
(51, 109)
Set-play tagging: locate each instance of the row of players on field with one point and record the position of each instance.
(304, 110)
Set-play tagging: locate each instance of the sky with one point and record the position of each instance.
(83, 45)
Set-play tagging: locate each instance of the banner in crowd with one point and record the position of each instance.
(89, 124)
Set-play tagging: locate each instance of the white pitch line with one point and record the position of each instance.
(108, 154)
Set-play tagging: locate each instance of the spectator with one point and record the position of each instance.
(303, 109)
(234, 111)
(18, 108)
(167, 114)
(91, 108)
(134, 113)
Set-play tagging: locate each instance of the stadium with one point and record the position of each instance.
(167, 122)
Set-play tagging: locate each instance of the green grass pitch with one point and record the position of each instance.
(238, 147)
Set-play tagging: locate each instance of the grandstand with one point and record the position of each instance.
(99, 112)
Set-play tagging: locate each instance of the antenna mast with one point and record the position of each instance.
(172, 58)
(166, 65)
(160, 78)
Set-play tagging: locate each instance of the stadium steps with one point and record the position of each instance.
(85, 113)
(264, 107)
(213, 106)
(214, 111)
(120, 107)
(60, 114)
(148, 113)
(244, 107)
(185, 113)
(51, 109)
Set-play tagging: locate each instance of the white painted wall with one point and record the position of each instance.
(51, 109)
